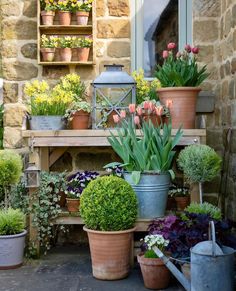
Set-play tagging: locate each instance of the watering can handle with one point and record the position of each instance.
(212, 236)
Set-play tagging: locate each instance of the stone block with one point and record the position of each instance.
(227, 68)
(100, 48)
(10, 92)
(233, 150)
(19, 29)
(30, 8)
(118, 49)
(19, 71)
(228, 22)
(206, 54)
(203, 8)
(233, 114)
(226, 47)
(12, 137)
(213, 72)
(100, 8)
(233, 66)
(118, 7)
(113, 28)
(222, 71)
(232, 89)
(54, 72)
(199, 31)
(234, 40)
(233, 18)
(10, 8)
(9, 49)
(29, 50)
(13, 114)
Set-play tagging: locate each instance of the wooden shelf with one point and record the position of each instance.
(89, 63)
(69, 29)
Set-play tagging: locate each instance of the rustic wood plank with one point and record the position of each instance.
(56, 154)
(44, 155)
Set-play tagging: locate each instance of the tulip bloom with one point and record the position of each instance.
(116, 118)
(146, 105)
(136, 120)
(159, 110)
(165, 54)
(171, 46)
(178, 55)
(169, 102)
(151, 106)
(132, 108)
(195, 50)
(139, 111)
(122, 114)
(188, 48)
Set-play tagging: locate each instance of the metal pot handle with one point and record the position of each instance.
(212, 236)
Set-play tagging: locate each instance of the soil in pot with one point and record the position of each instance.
(72, 204)
(182, 202)
(82, 17)
(80, 120)
(47, 17)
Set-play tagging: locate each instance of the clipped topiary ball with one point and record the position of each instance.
(108, 204)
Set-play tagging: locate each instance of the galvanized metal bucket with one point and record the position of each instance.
(152, 192)
(54, 122)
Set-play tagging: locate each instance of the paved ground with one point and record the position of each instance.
(67, 269)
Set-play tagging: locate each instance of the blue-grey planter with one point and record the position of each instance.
(152, 192)
(53, 122)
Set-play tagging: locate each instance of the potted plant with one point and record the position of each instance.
(180, 77)
(76, 183)
(155, 273)
(64, 11)
(65, 45)
(181, 196)
(200, 163)
(147, 157)
(108, 207)
(47, 12)
(83, 46)
(48, 45)
(82, 9)
(78, 114)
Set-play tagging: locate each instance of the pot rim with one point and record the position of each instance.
(149, 261)
(72, 198)
(184, 88)
(85, 13)
(150, 173)
(45, 12)
(108, 232)
(14, 235)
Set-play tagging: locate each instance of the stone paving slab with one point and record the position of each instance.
(68, 269)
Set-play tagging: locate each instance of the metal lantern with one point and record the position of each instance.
(32, 176)
(113, 90)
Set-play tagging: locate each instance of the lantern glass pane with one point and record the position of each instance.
(32, 179)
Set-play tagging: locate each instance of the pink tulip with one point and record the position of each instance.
(139, 111)
(169, 103)
(159, 110)
(116, 118)
(195, 50)
(188, 48)
(165, 54)
(178, 55)
(171, 46)
(151, 106)
(136, 120)
(146, 105)
(122, 114)
(132, 108)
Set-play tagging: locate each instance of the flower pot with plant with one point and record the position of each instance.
(82, 9)
(47, 12)
(64, 12)
(147, 157)
(79, 114)
(108, 207)
(48, 45)
(83, 46)
(180, 77)
(155, 273)
(181, 196)
(65, 45)
(76, 183)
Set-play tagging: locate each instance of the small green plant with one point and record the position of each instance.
(85, 5)
(48, 42)
(109, 204)
(77, 106)
(78, 42)
(154, 240)
(205, 208)
(12, 221)
(48, 5)
(65, 42)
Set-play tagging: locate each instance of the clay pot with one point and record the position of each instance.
(80, 120)
(64, 17)
(65, 54)
(182, 202)
(183, 109)
(83, 54)
(72, 204)
(155, 273)
(48, 54)
(82, 17)
(47, 17)
(110, 253)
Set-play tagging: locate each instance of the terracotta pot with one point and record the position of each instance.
(64, 17)
(65, 54)
(83, 54)
(80, 120)
(155, 273)
(182, 202)
(72, 204)
(183, 109)
(110, 253)
(82, 17)
(47, 17)
(48, 54)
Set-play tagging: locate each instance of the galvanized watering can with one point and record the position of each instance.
(212, 267)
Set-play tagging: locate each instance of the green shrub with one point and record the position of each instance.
(200, 163)
(10, 167)
(109, 204)
(12, 221)
(204, 208)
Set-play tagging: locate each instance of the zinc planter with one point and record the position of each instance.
(12, 250)
(152, 193)
(110, 253)
(46, 122)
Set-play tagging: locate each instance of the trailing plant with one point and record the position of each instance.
(19, 198)
(204, 208)
(48, 41)
(12, 221)
(77, 106)
(109, 204)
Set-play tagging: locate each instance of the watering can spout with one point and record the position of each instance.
(179, 275)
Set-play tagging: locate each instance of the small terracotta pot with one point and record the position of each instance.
(155, 273)
(47, 17)
(72, 204)
(80, 120)
(182, 202)
(48, 54)
(82, 17)
(83, 54)
(183, 109)
(64, 17)
(65, 54)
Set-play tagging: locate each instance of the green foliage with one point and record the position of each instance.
(12, 221)
(204, 208)
(1, 125)
(19, 197)
(108, 203)
(10, 167)
(200, 163)
(150, 254)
